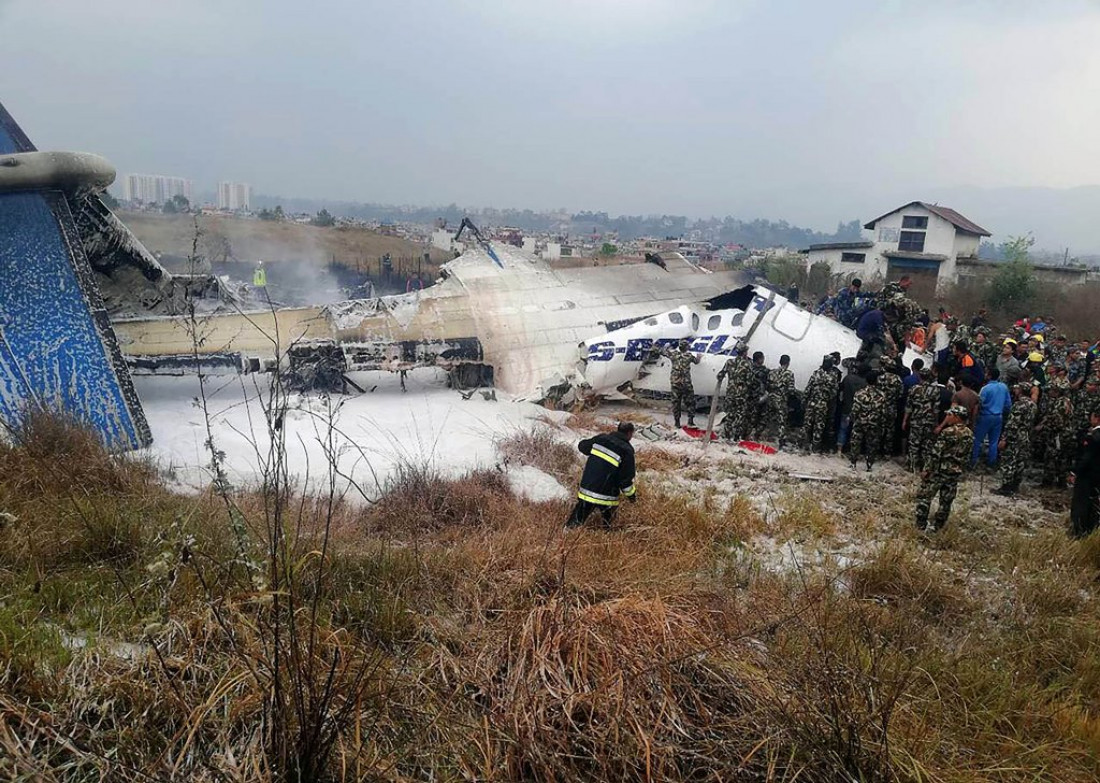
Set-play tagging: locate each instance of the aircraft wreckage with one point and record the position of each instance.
(83, 305)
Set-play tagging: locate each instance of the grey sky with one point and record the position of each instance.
(810, 111)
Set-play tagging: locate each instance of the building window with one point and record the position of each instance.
(912, 241)
(853, 258)
(914, 221)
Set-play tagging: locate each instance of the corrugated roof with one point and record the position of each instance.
(950, 215)
(915, 255)
(841, 246)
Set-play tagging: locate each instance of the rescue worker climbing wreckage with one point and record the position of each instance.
(683, 393)
(608, 474)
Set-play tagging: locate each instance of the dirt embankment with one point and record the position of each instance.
(237, 239)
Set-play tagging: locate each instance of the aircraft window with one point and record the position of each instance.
(651, 322)
(695, 322)
(714, 322)
(676, 318)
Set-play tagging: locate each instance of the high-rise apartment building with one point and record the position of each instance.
(155, 188)
(234, 196)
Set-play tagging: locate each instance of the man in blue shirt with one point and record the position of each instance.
(995, 402)
(913, 378)
(871, 329)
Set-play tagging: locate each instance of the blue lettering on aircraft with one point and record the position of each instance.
(639, 349)
(601, 352)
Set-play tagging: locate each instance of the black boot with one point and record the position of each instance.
(677, 422)
(1008, 489)
(691, 421)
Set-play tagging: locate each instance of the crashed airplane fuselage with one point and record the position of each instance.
(536, 331)
(751, 315)
(513, 314)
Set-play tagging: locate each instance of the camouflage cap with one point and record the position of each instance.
(925, 373)
(1024, 386)
(958, 410)
(1059, 384)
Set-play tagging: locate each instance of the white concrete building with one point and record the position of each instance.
(234, 196)
(443, 239)
(924, 241)
(555, 251)
(155, 188)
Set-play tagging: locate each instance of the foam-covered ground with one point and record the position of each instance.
(372, 433)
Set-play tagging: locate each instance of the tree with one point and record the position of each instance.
(176, 204)
(215, 247)
(273, 215)
(1014, 282)
(323, 219)
(608, 250)
(109, 200)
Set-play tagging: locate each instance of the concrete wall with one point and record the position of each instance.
(866, 271)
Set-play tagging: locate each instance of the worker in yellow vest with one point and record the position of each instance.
(259, 277)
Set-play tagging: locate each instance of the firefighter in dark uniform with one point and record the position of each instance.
(608, 473)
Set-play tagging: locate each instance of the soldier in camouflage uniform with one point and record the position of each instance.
(833, 419)
(922, 412)
(683, 393)
(780, 386)
(868, 407)
(819, 396)
(758, 412)
(983, 350)
(1015, 444)
(1086, 399)
(739, 393)
(1057, 350)
(1076, 366)
(1056, 428)
(890, 384)
(948, 458)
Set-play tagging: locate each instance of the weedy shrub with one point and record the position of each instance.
(53, 453)
(899, 574)
(418, 498)
(625, 689)
(540, 448)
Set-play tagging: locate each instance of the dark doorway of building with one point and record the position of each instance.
(923, 289)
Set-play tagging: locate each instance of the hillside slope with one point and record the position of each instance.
(253, 240)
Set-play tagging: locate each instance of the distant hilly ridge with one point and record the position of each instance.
(1059, 218)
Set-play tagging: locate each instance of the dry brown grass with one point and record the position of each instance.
(499, 647)
(272, 241)
(659, 459)
(540, 448)
(901, 575)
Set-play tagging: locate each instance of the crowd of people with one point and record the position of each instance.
(1025, 401)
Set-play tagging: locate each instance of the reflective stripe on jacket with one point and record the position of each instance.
(609, 470)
